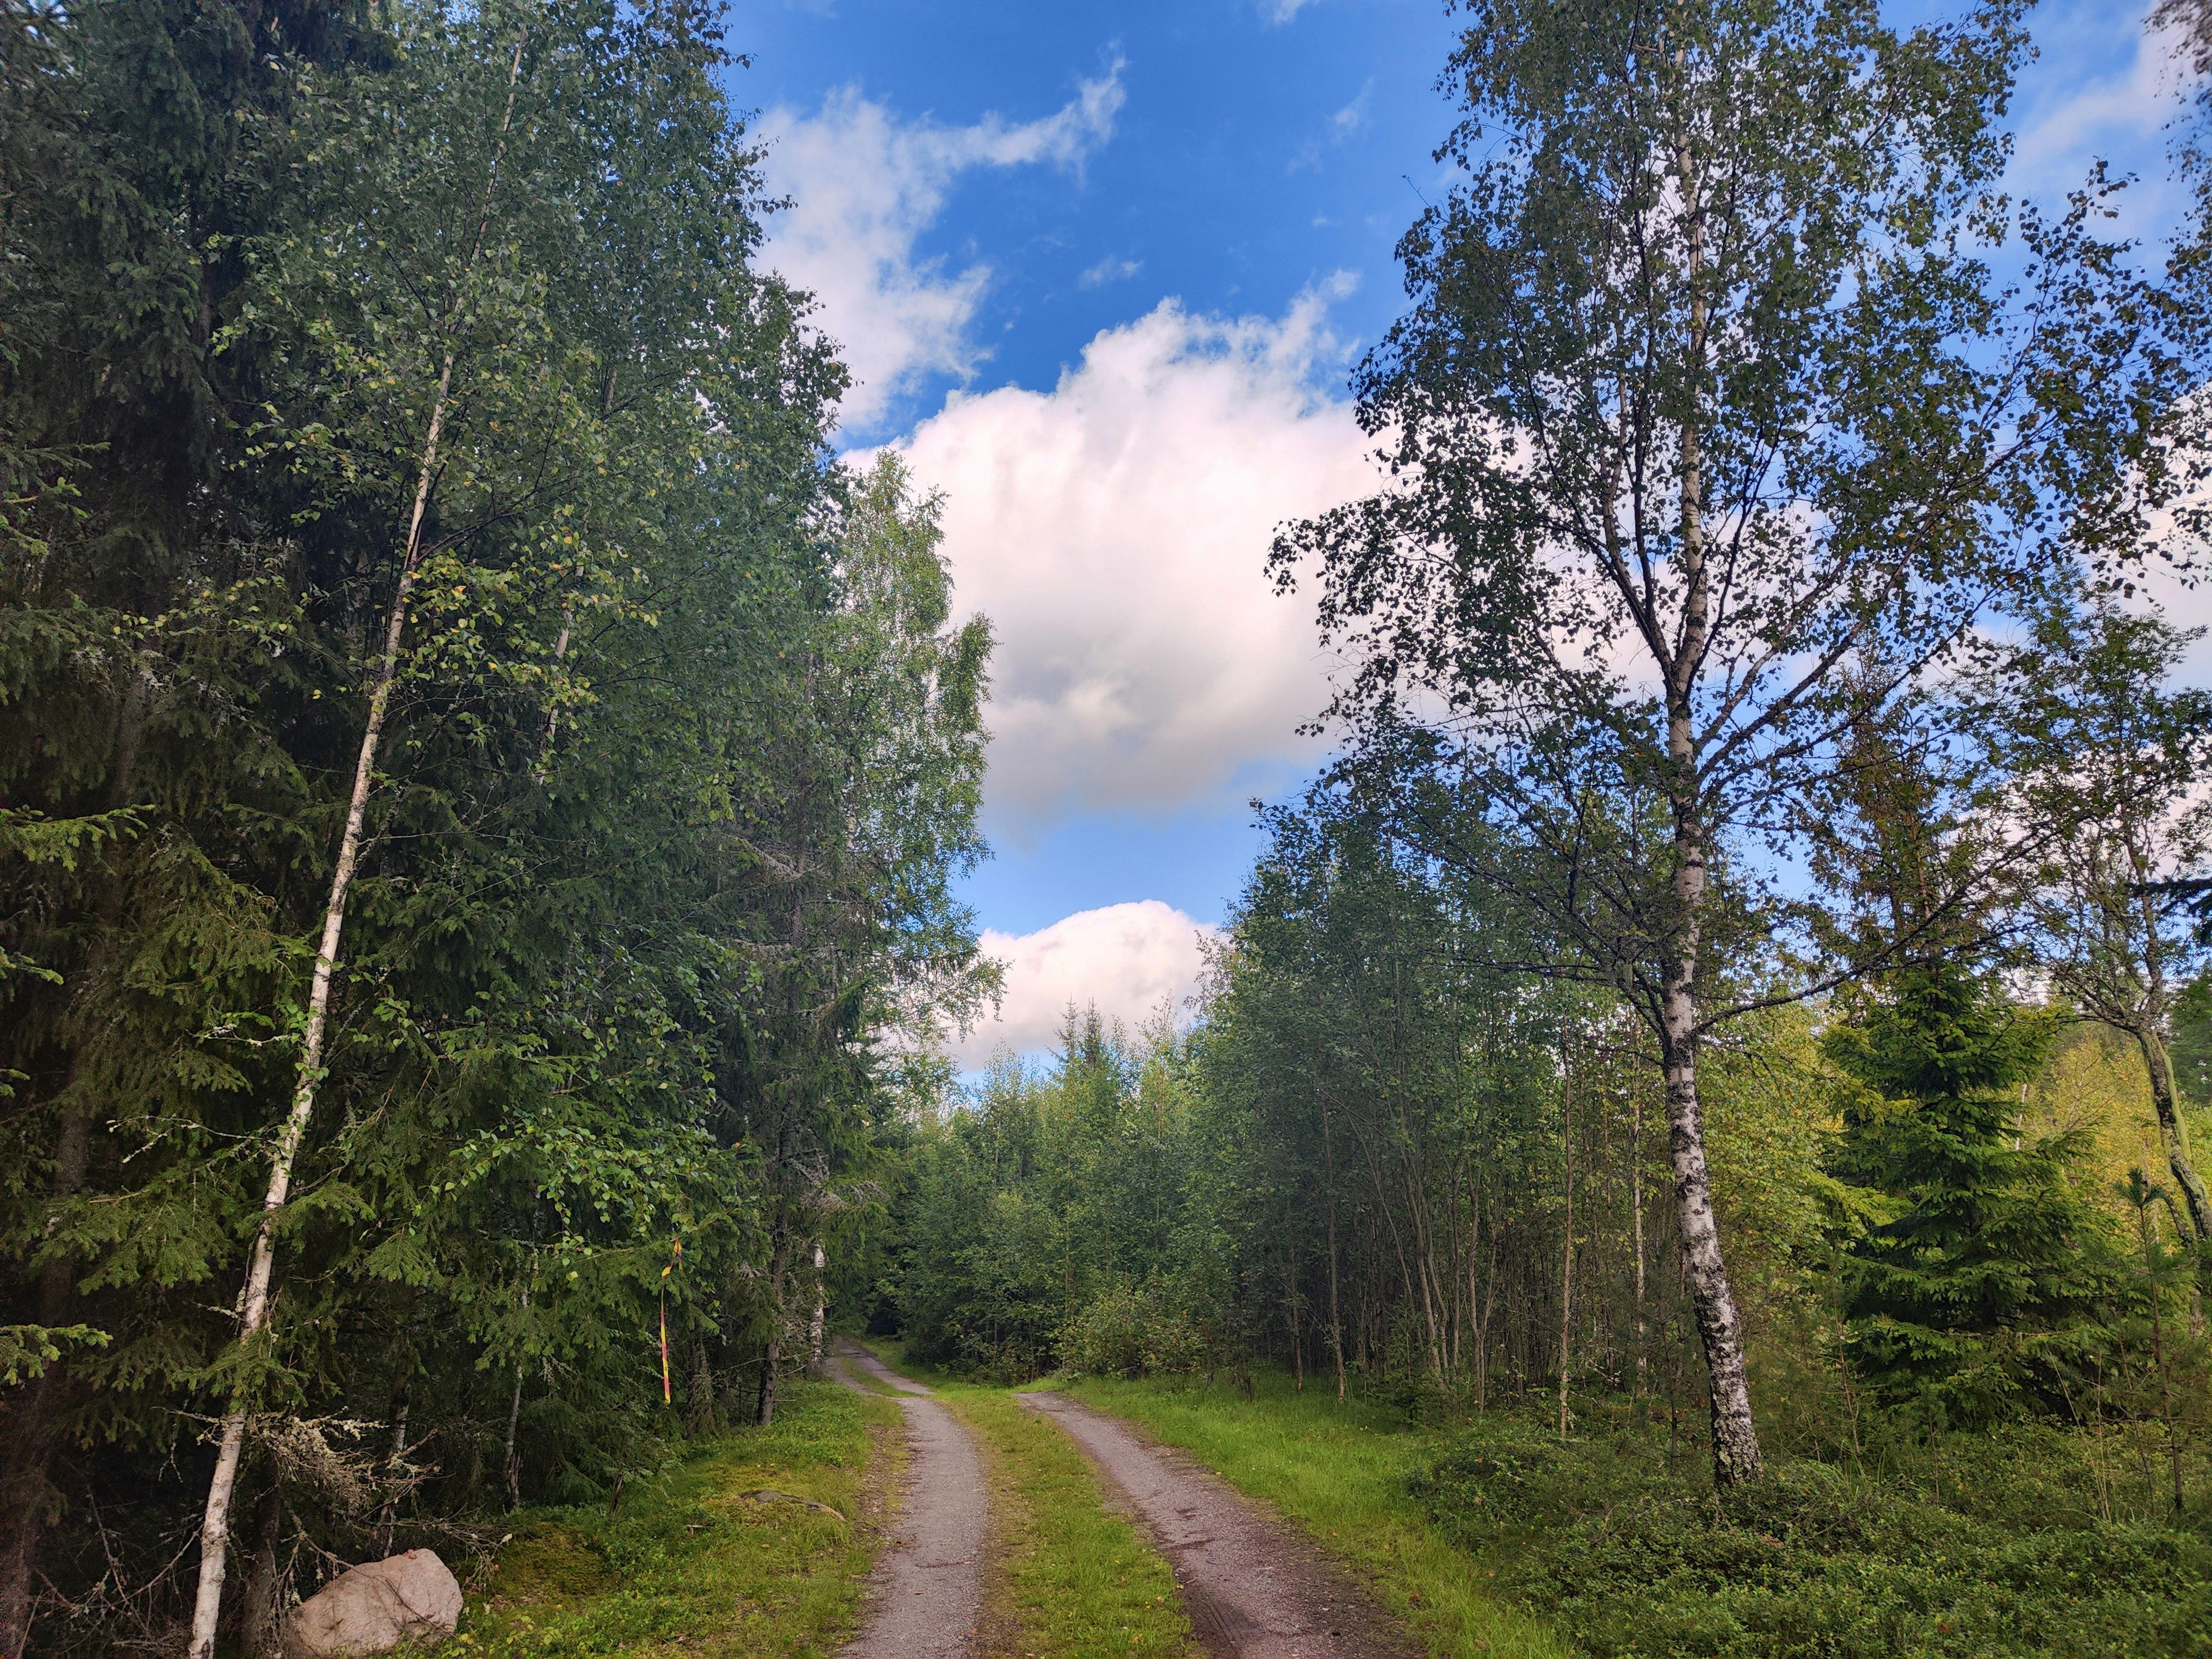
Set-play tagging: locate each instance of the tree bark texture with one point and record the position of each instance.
(2172, 1133)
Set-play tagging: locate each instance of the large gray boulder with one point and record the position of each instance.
(375, 1607)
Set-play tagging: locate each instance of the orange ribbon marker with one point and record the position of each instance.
(667, 1394)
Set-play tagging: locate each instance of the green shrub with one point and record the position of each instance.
(1817, 1561)
(1132, 1331)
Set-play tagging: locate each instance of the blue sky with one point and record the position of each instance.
(1102, 271)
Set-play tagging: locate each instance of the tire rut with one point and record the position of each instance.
(1251, 1586)
(927, 1588)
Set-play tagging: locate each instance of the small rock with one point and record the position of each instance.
(770, 1495)
(375, 1607)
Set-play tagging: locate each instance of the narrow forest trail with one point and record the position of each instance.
(927, 1589)
(1252, 1586)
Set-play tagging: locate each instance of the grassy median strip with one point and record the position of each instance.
(748, 1546)
(1340, 1471)
(1070, 1580)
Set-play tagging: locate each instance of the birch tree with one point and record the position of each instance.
(2109, 762)
(456, 396)
(1706, 398)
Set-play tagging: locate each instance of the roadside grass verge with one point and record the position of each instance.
(1342, 1473)
(1068, 1579)
(687, 1564)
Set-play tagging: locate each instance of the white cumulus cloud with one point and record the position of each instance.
(1127, 959)
(2068, 119)
(1115, 530)
(863, 187)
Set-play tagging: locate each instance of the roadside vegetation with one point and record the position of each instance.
(1688, 1137)
(2031, 1541)
(755, 1541)
(1496, 1534)
(1343, 1474)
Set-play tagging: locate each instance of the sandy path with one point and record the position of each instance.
(927, 1585)
(1252, 1589)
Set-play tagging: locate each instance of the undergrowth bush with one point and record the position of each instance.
(1133, 1331)
(1987, 1549)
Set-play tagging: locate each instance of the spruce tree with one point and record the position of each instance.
(1985, 1293)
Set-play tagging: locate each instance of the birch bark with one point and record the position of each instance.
(1736, 1440)
(253, 1313)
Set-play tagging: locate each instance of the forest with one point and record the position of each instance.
(1706, 1069)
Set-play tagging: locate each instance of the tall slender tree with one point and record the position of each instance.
(1707, 395)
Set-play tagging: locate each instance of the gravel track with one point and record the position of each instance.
(927, 1588)
(1252, 1589)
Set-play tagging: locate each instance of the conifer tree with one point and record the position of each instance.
(651, 643)
(1988, 1292)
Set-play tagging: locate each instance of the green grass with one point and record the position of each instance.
(1068, 1579)
(1341, 1472)
(1071, 1581)
(688, 1565)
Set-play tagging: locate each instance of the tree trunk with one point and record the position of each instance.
(37, 1424)
(390, 1519)
(2172, 1133)
(1736, 1440)
(1567, 1248)
(264, 1592)
(1335, 1317)
(1636, 1214)
(214, 1527)
(772, 1356)
(699, 1417)
(512, 1468)
(817, 1324)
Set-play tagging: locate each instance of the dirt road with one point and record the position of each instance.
(1252, 1589)
(928, 1586)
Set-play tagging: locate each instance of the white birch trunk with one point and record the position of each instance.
(215, 1527)
(1736, 1440)
(815, 1328)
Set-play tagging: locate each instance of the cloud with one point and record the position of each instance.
(1115, 530)
(1127, 959)
(1353, 116)
(1281, 11)
(2068, 117)
(1337, 130)
(863, 188)
(1111, 268)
